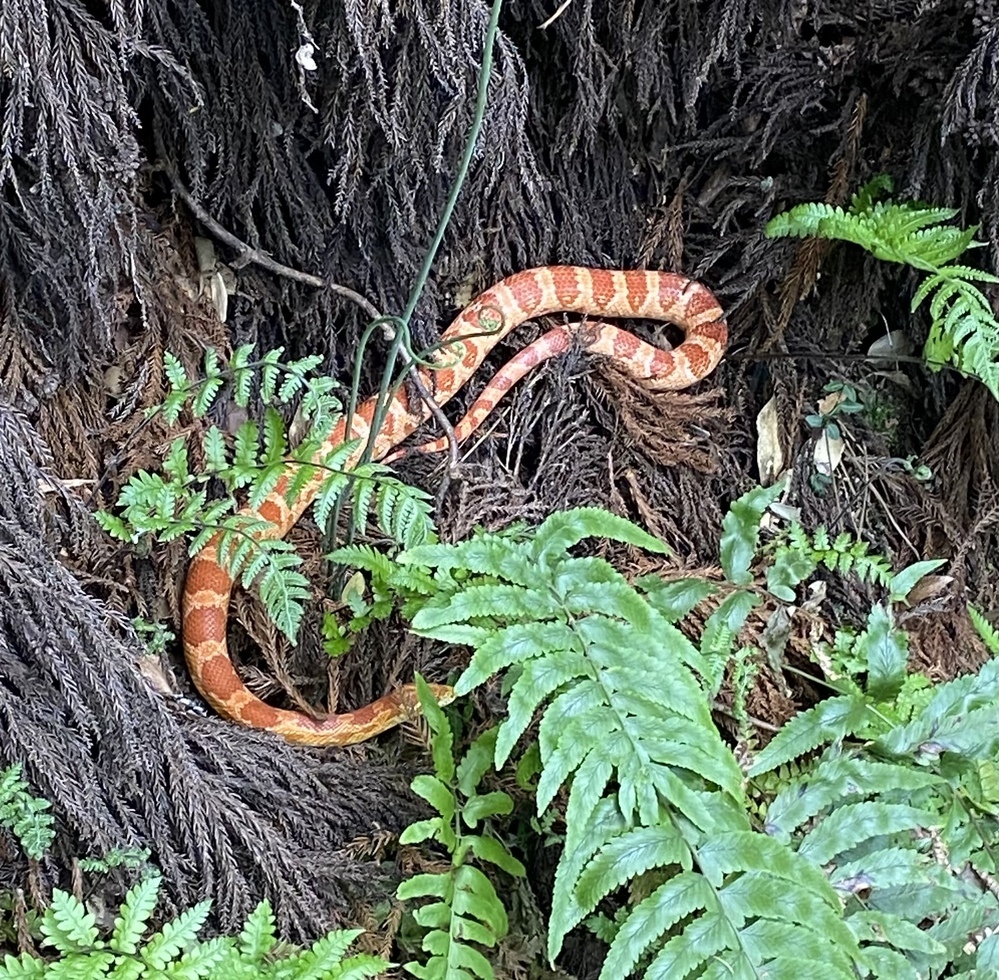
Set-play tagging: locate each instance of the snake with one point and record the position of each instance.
(488, 318)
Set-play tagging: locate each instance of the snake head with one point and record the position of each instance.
(410, 701)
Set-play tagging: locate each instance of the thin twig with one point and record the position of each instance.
(248, 254)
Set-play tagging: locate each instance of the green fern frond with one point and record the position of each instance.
(584, 644)
(175, 503)
(964, 330)
(854, 823)
(837, 780)
(829, 720)
(468, 908)
(987, 632)
(25, 815)
(67, 925)
(861, 811)
(130, 924)
(175, 950)
(258, 937)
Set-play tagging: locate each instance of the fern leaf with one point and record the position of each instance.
(693, 804)
(581, 843)
(134, 914)
(465, 961)
(175, 937)
(424, 886)
(703, 939)
(482, 601)
(746, 850)
(712, 762)
(474, 894)
(741, 531)
(760, 894)
(471, 931)
(935, 247)
(327, 953)
(854, 823)
(269, 371)
(863, 199)
(481, 806)
(613, 645)
(538, 679)
(628, 856)
(67, 925)
(887, 868)
(24, 814)
(831, 719)
(764, 939)
(986, 631)
(258, 937)
(482, 555)
(436, 793)
(674, 600)
(903, 582)
(885, 652)
(476, 762)
(836, 780)
(556, 535)
(948, 712)
(283, 590)
(174, 371)
(244, 454)
(578, 701)
(682, 895)
(582, 591)
(967, 272)
(583, 735)
(491, 850)
(896, 931)
(211, 960)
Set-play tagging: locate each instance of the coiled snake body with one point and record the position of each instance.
(520, 297)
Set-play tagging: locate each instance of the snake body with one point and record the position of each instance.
(474, 332)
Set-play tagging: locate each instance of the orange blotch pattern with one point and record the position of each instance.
(550, 289)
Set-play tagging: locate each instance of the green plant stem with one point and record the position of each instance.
(381, 406)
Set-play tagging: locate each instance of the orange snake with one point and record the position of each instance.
(520, 297)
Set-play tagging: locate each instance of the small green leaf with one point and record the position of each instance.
(491, 850)
(437, 794)
(478, 808)
(903, 583)
(741, 531)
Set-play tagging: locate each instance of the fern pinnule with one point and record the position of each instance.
(176, 936)
(565, 529)
(842, 778)
(491, 555)
(130, 924)
(827, 721)
(988, 633)
(67, 925)
(258, 935)
(852, 824)
(956, 716)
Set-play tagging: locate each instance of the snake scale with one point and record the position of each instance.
(493, 314)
